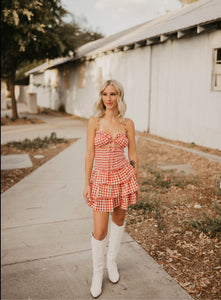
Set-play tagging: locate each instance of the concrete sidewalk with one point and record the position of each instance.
(46, 252)
(65, 127)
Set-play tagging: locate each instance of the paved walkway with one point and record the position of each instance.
(46, 226)
(65, 127)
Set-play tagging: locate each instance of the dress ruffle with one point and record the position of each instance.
(108, 205)
(113, 177)
(110, 189)
(113, 190)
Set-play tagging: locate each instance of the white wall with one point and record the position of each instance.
(78, 101)
(176, 93)
(3, 95)
(23, 93)
(183, 106)
(131, 68)
(45, 86)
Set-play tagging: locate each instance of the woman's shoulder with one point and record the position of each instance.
(129, 122)
(129, 126)
(93, 121)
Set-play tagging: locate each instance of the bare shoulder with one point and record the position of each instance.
(129, 123)
(92, 122)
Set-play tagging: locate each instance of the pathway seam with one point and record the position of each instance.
(46, 223)
(57, 255)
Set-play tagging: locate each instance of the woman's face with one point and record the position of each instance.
(109, 97)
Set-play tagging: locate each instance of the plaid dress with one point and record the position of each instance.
(113, 182)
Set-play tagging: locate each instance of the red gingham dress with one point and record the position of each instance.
(113, 182)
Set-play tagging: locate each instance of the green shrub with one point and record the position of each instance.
(152, 207)
(208, 225)
(218, 185)
(36, 143)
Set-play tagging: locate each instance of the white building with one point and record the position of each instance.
(170, 68)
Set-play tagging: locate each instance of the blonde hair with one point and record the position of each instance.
(99, 105)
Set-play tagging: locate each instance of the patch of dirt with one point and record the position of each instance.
(178, 217)
(20, 121)
(11, 177)
(179, 143)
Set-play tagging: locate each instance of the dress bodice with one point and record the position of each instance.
(103, 138)
(109, 151)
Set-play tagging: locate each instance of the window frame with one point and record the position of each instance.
(215, 71)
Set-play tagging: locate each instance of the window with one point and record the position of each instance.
(216, 78)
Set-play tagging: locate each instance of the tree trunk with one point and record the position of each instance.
(12, 91)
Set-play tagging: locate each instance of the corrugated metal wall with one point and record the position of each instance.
(183, 105)
(167, 88)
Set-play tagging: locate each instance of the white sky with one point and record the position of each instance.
(112, 16)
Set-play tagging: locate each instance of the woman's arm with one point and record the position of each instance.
(89, 157)
(132, 151)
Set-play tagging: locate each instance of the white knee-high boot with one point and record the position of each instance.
(113, 249)
(98, 251)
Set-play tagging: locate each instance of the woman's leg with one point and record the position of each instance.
(116, 232)
(118, 216)
(100, 225)
(98, 244)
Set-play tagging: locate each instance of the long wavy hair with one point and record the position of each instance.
(99, 105)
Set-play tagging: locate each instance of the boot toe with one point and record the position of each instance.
(114, 279)
(95, 292)
(96, 289)
(113, 274)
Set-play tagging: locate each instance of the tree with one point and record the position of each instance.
(184, 2)
(76, 35)
(33, 30)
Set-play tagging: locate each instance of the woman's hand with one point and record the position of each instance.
(87, 193)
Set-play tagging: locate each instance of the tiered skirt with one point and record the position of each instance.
(113, 188)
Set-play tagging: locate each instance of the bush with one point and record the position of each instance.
(208, 225)
(36, 143)
(150, 207)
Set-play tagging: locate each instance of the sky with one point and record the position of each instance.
(112, 16)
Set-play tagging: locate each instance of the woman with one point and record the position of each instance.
(113, 184)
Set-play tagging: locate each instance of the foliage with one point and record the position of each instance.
(207, 224)
(164, 180)
(218, 185)
(29, 31)
(152, 207)
(20, 78)
(34, 30)
(36, 143)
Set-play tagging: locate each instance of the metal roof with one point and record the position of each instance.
(47, 65)
(198, 13)
(196, 16)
